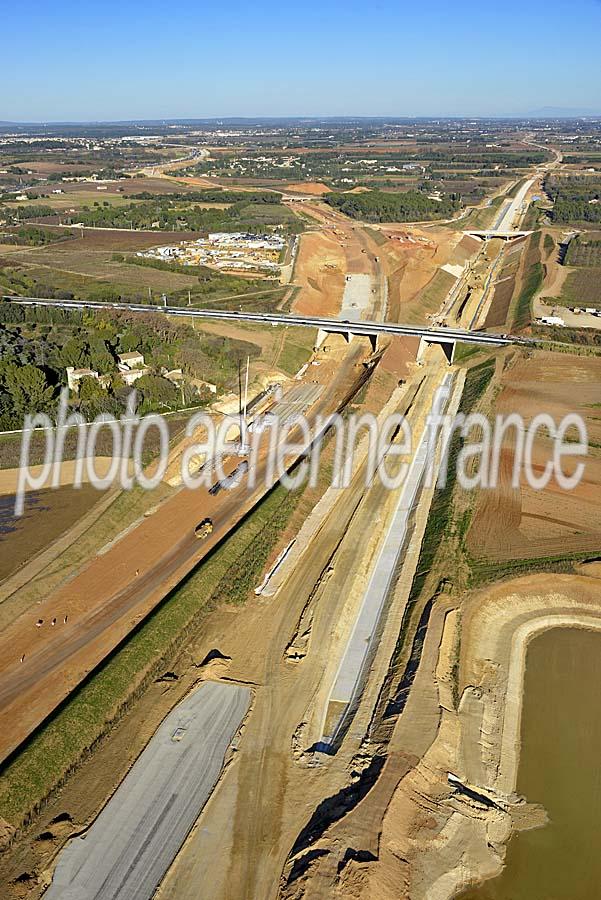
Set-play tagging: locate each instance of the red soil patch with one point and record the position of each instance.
(315, 188)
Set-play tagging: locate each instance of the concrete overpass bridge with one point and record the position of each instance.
(490, 233)
(447, 338)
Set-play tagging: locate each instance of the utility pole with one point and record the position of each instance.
(243, 423)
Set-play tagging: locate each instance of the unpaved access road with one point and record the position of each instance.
(97, 608)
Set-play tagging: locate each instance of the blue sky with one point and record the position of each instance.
(91, 61)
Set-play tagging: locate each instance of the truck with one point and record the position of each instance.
(204, 529)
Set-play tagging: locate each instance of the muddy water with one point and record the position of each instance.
(559, 768)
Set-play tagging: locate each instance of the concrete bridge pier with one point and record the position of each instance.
(373, 340)
(348, 336)
(321, 336)
(447, 347)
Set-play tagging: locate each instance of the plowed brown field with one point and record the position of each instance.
(523, 523)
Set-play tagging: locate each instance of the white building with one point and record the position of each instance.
(131, 360)
(74, 376)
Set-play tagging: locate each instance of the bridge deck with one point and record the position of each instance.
(364, 328)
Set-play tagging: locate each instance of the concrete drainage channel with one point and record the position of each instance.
(134, 840)
(356, 660)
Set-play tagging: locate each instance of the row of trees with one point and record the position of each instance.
(583, 252)
(14, 215)
(33, 236)
(213, 195)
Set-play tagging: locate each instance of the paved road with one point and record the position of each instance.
(130, 846)
(507, 218)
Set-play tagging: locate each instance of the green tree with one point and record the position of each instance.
(157, 391)
(101, 359)
(28, 390)
(75, 353)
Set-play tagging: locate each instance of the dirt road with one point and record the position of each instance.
(240, 845)
(88, 617)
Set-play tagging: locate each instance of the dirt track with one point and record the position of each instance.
(105, 600)
(273, 789)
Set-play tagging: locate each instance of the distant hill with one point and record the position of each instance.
(563, 112)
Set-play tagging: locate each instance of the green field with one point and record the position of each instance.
(68, 270)
(584, 250)
(582, 288)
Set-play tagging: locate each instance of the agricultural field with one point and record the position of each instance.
(582, 287)
(393, 164)
(574, 279)
(584, 250)
(89, 268)
(200, 211)
(512, 524)
(47, 514)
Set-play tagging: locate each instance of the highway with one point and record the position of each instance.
(134, 840)
(364, 328)
(504, 226)
(506, 220)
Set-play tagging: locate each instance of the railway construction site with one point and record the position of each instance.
(344, 666)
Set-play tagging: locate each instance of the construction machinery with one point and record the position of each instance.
(204, 529)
